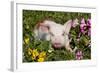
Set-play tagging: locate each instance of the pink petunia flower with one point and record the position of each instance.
(89, 25)
(85, 27)
(82, 25)
(79, 55)
(89, 22)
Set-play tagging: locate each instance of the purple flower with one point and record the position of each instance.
(83, 24)
(79, 55)
(83, 21)
(89, 22)
(85, 27)
(89, 26)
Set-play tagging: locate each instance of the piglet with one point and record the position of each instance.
(54, 32)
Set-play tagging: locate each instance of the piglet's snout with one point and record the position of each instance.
(57, 42)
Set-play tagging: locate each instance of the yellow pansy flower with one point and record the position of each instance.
(35, 53)
(40, 59)
(42, 54)
(27, 40)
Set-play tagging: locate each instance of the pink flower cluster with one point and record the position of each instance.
(79, 55)
(85, 26)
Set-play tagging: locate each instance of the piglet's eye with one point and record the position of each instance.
(63, 34)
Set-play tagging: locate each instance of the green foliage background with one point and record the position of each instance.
(31, 18)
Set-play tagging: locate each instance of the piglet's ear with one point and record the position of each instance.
(67, 26)
(41, 24)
